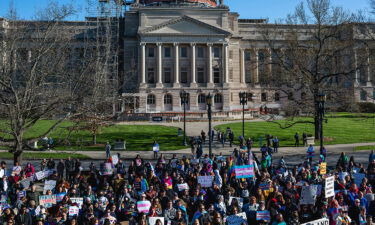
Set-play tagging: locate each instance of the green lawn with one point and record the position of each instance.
(340, 129)
(138, 137)
(366, 147)
(43, 155)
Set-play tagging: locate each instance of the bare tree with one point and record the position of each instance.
(314, 51)
(44, 73)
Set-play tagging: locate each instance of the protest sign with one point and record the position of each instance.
(49, 185)
(79, 201)
(244, 171)
(73, 211)
(194, 161)
(324, 221)
(106, 169)
(182, 187)
(330, 187)
(60, 196)
(358, 177)
(47, 200)
(205, 181)
(25, 183)
(143, 206)
(264, 186)
(308, 195)
(323, 168)
(16, 170)
(237, 219)
(153, 220)
(21, 194)
(155, 148)
(318, 189)
(239, 200)
(114, 159)
(39, 175)
(342, 175)
(263, 215)
(47, 173)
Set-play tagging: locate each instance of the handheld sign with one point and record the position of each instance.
(182, 187)
(205, 181)
(323, 168)
(49, 185)
(73, 211)
(143, 206)
(237, 219)
(245, 171)
(153, 220)
(47, 200)
(263, 215)
(330, 187)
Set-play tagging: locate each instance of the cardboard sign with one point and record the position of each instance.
(152, 220)
(330, 187)
(60, 196)
(323, 168)
(79, 201)
(308, 195)
(239, 200)
(40, 175)
(205, 181)
(49, 185)
(115, 159)
(263, 215)
(323, 221)
(182, 187)
(73, 211)
(47, 200)
(143, 206)
(245, 171)
(358, 177)
(237, 219)
(106, 169)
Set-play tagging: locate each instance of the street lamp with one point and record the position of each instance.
(321, 99)
(243, 102)
(184, 100)
(209, 112)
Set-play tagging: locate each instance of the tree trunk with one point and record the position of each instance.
(17, 157)
(94, 139)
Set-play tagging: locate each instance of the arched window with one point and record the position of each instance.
(167, 99)
(201, 98)
(218, 98)
(151, 99)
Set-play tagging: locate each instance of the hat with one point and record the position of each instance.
(274, 200)
(129, 186)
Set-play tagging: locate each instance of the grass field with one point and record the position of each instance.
(366, 147)
(138, 137)
(341, 128)
(42, 155)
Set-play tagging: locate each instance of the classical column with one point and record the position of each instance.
(176, 64)
(225, 63)
(243, 72)
(193, 80)
(256, 79)
(209, 63)
(159, 65)
(368, 83)
(143, 63)
(269, 62)
(356, 81)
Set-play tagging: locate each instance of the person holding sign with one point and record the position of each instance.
(155, 149)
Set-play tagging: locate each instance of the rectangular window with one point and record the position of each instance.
(184, 75)
(167, 52)
(248, 75)
(247, 56)
(216, 52)
(151, 52)
(264, 97)
(200, 52)
(183, 52)
(200, 73)
(216, 75)
(151, 76)
(167, 75)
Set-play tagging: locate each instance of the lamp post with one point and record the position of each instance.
(243, 102)
(184, 100)
(209, 104)
(321, 108)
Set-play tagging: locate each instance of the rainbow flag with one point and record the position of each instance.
(231, 167)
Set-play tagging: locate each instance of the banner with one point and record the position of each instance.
(237, 219)
(244, 171)
(205, 181)
(330, 187)
(73, 211)
(79, 201)
(47, 200)
(323, 168)
(263, 215)
(323, 221)
(182, 187)
(239, 200)
(143, 206)
(49, 185)
(114, 159)
(60, 196)
(153, 220)
(308, 195)
(106, 169)
(40, 175)
(358, 177)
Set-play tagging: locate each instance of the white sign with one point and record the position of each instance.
(330, 187)
(323, 221)
(308, 195)
(182, 187)
(205, 181)
(73, 211)
(49, 185)
(79, 201)
(114, 159)
(40, 175)
(153, 220)
(237, 219)
(239, 200)
(194, 161)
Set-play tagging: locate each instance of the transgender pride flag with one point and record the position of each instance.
(143, 206)
(244, 171)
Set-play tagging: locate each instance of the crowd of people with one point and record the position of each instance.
(188, 190)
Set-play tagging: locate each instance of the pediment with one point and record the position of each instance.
(184, 26)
